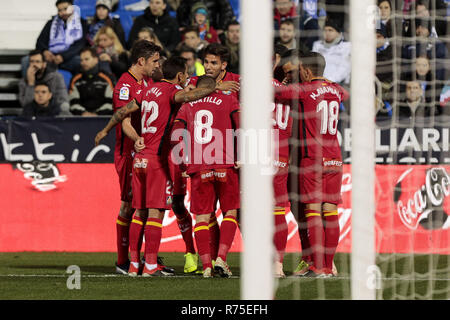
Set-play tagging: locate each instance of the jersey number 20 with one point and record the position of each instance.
(329, 116)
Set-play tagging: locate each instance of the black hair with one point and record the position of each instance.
(205, 81)
(315, 62)
(191, 29)
(143, 48)
(219, 50)
(172, 66)
(63, 1)
(42, 83)
(233, 23)
(36, 52)
(91, 50)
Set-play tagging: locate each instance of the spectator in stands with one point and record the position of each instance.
(427, 43)
(112, 55)
(200, 19)
(63, 37)
(395, 26)
(91, 91)
(413, 110)
(384, 67)
(191, 38)
(423, 8)
(101, 19)
(337, 53)
(42, 105)
(288, 34)
(157, 17)
(148, 34)
(39, 72)
(285, 9)
(231, 39)
(195, 66)
(220, 14)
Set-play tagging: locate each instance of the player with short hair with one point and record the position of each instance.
(145, 60)
(151, 179)
(216, 58)
(207, 127)
(320, 165)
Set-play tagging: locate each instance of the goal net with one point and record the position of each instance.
(392, 57)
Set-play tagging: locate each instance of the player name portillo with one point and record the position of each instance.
(228, 309)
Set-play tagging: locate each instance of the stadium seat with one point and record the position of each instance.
(87, 8)
(124, 3)
(126, 19)
(67, 77)
(235, 5)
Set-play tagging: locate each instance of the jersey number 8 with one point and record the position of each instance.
(202, 126)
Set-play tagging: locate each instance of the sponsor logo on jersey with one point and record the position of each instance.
(140, 165)
(228, 92)
(218, 175)
(124, 93)
(138, 92)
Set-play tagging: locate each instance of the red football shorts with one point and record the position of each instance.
(178, 181)
(124, 166)
(280, 181)
(208, 186)
(320, 182)
(152, 188)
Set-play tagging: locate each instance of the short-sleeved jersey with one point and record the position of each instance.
(209, 122)
(127, 89)
(282, 123)
(229, 76)
(158, 111)
(319, 102)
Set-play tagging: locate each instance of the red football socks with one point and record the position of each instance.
(153, 232)
(184, 222)
(214, 236)
(281, 233)
(316, 237)
(136, 234)
(227, 232)
(122, 238)
(332, 233)
(202, 234)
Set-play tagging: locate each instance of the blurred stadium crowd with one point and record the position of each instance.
(84, 48)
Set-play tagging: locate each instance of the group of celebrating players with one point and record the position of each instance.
(170, 127)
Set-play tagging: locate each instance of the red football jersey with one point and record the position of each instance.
(210, 122)
(127, 89)
(282, 123)
(229, 76)
(158, 111)
(319, 102)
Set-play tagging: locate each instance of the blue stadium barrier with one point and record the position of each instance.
(235, 6)
(124, 3)
(126, 19)
(87, 7)
(67, 77)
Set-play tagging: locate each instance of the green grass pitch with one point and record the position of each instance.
(42, 276)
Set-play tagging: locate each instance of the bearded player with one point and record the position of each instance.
(320, 175)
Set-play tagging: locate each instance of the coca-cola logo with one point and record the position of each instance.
(424, 205)
(43, 175)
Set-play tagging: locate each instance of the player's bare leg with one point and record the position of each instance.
(332, 232)
(184, 222)
(227, 232)
(280, 239)
(202, 238)
(136, 235)
(153, 233)
(122, 236)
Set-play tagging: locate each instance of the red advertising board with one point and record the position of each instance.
(73, 207)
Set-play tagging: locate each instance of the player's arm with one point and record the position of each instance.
(233, 86)
(289, 92)
(183, 96)
(116, 118)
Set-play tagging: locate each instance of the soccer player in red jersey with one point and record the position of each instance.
(206, 127)
(320, 175)
(215, 61)
(151, 179)
(145, 60)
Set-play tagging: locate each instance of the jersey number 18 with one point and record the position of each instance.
(328, 117)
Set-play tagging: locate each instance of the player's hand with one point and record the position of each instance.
(184, 174)
(285, 81)
(237, 165)
(139, 144)
(100, 135)
(233, 86)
